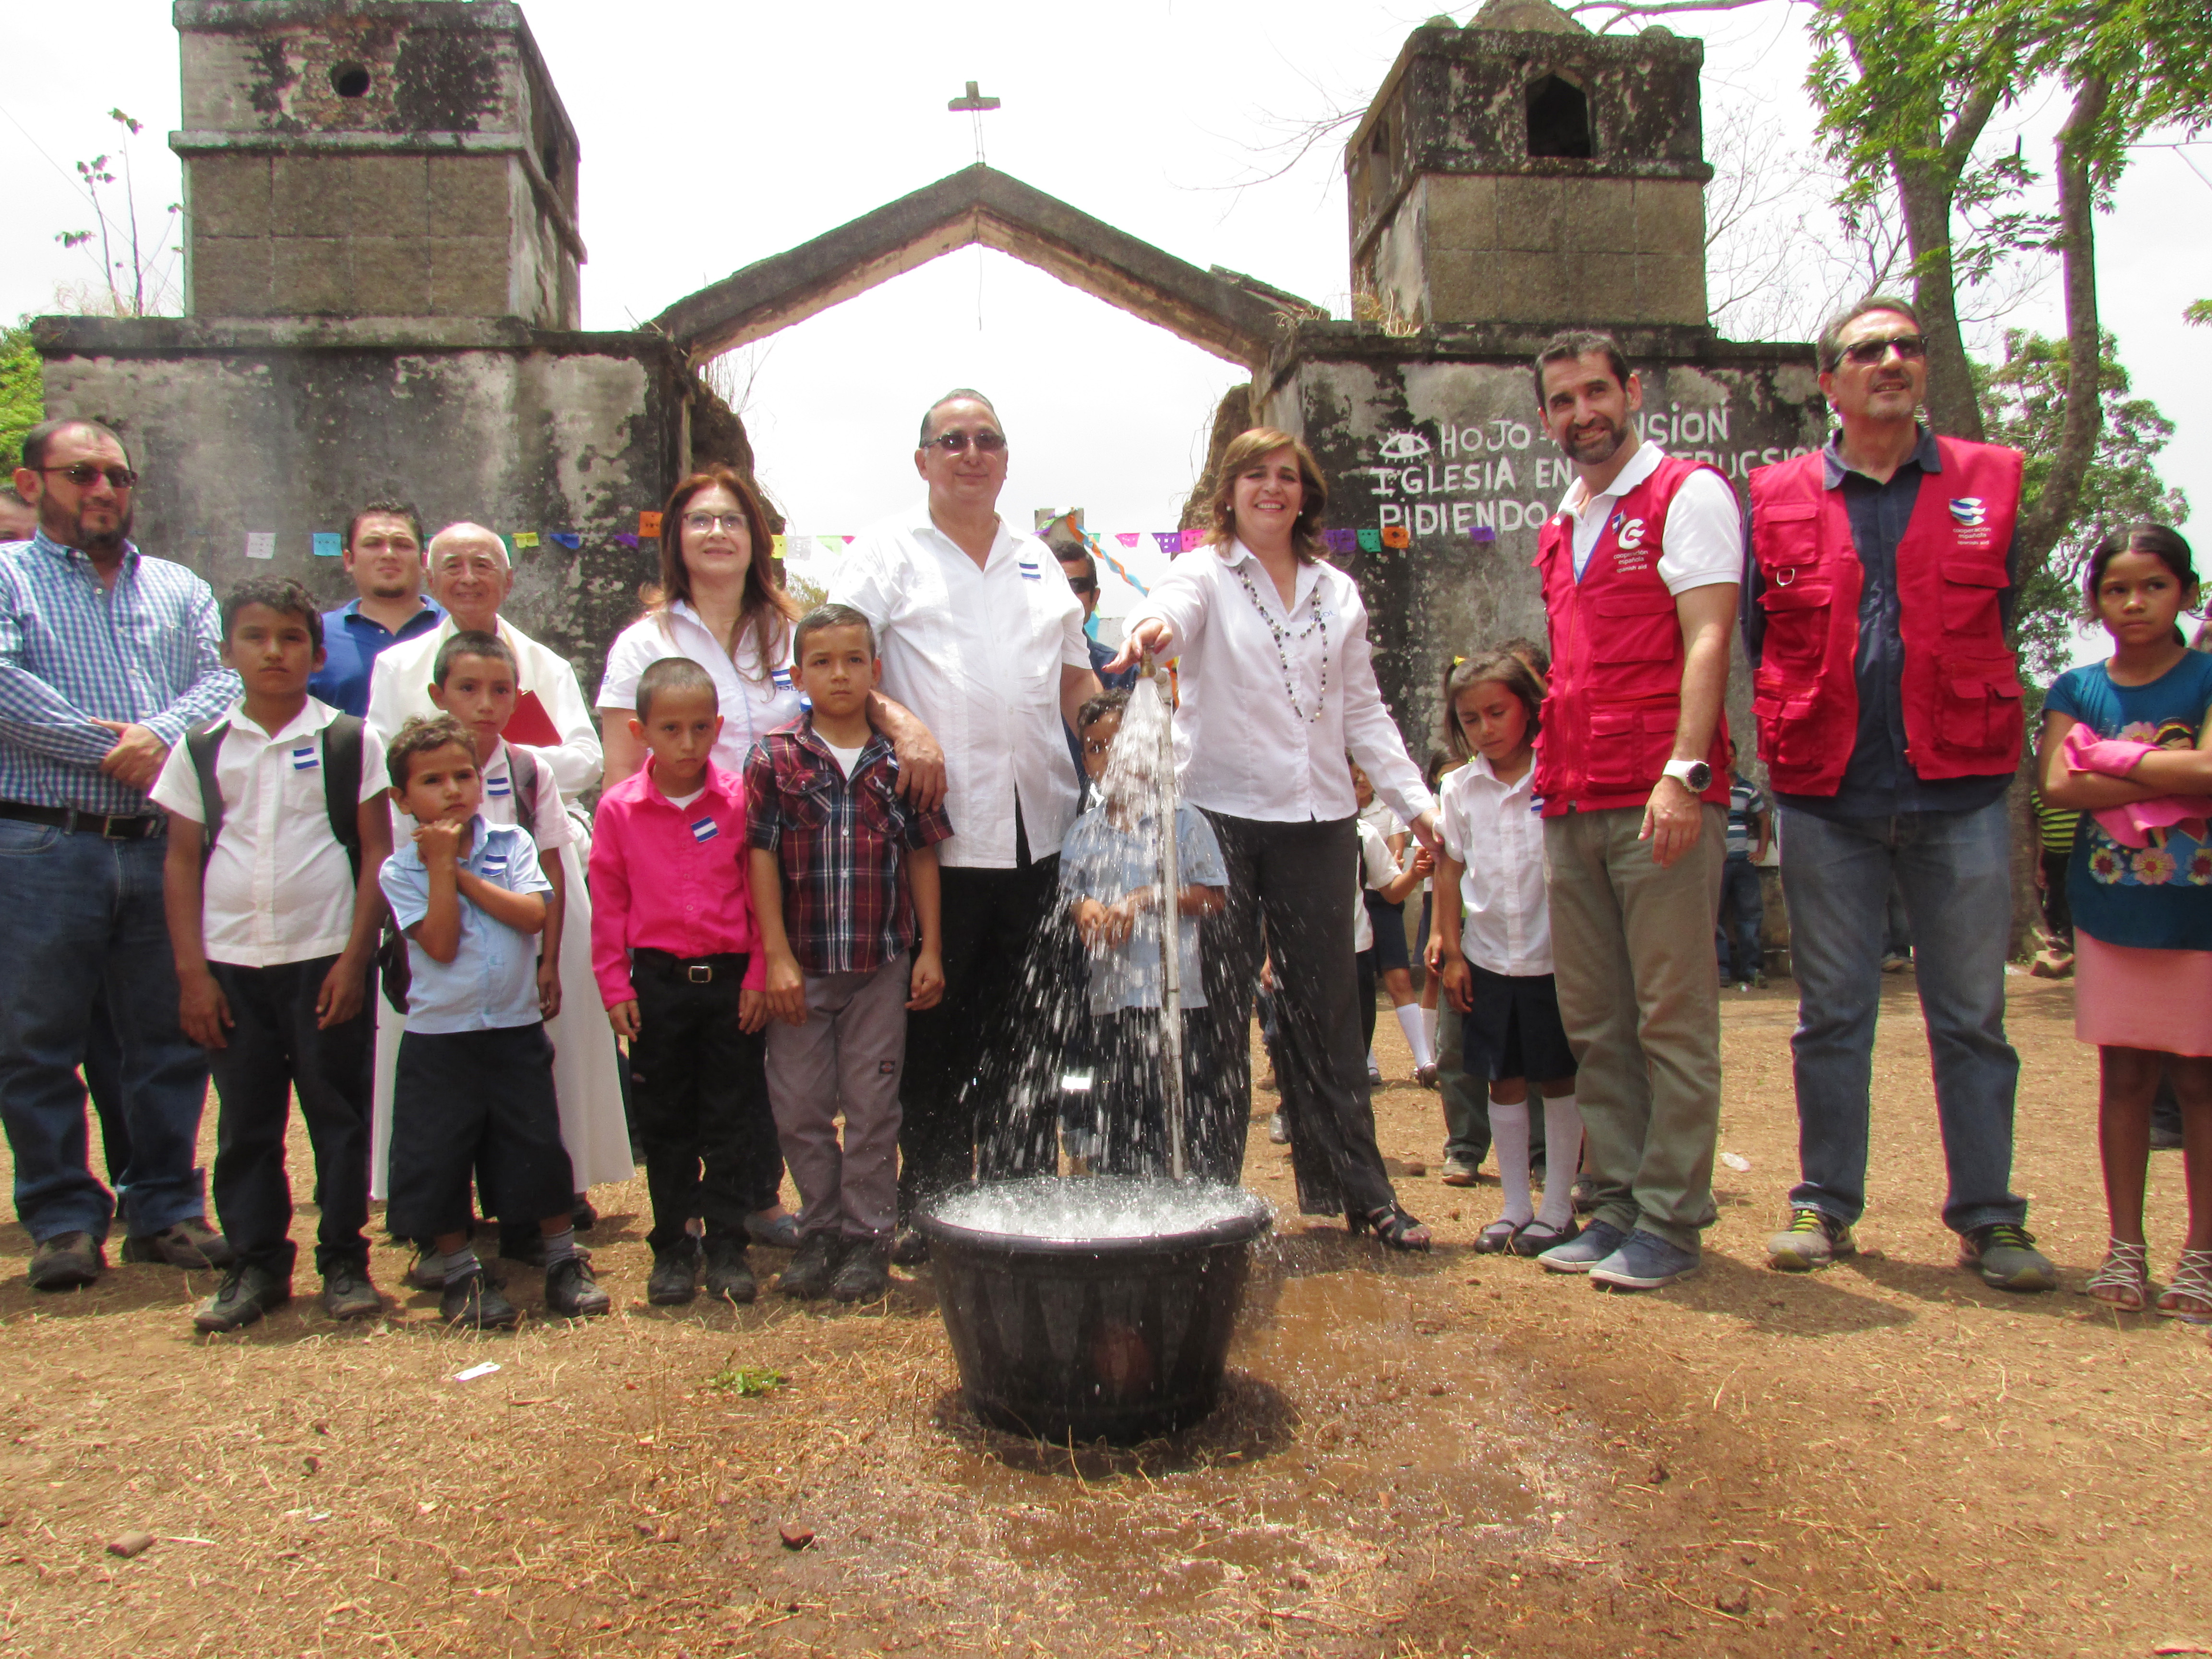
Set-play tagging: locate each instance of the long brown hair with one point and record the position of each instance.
(1247, 447)
(1509, 672)
(766, 610)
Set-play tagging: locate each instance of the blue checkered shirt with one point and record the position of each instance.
(146, 651)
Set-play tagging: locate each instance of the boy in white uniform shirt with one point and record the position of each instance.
(272, 920)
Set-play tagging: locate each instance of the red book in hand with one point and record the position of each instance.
(530, 724)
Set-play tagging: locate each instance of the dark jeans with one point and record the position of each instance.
(2058, 908)
(703, 1108)
(273, 1048)
(85, 925)
(1955, 874)
(1740, 888)
(1296, 879)
(972, 1077)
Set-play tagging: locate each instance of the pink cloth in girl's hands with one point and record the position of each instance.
(2130, 825)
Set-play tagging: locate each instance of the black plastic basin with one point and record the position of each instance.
(1111, 1338)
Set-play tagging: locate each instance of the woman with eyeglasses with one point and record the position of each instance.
(1276, 684)
(720, 603)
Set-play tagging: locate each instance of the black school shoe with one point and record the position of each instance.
(246, 1294)
(729, 1275)
(675, 1279)
(865, 1275)
(811, 1269)
(571, 1292)
(348, 1293)
(191, 1244)
(472, 1300)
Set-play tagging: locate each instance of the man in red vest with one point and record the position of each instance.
(1888, 707)
(1640, 567)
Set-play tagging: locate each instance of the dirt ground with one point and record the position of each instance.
(1440, 1456)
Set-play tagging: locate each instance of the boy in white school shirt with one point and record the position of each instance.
(272, 920)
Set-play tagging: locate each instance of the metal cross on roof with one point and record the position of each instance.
(973, 103)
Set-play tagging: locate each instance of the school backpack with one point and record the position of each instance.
(341, 783)
(394, 972)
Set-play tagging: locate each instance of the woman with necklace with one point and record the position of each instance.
(1277, 685)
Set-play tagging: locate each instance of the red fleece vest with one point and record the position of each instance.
(1615, 695)
(1960, 690)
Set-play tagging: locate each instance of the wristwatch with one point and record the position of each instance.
(1696, 776)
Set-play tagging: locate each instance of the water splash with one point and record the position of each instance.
(1053, 1208)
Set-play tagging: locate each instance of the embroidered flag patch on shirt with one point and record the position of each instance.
(780, 678)
(501, 785)
(1029, 571)
(305, 759)
(704, 829)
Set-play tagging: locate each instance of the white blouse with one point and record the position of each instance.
(1492, 830)
(753, 704)
(1267, 723)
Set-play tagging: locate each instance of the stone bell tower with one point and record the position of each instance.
(1524, 170)
(375, 158)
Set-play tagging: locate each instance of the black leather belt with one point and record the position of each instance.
(700, 970)
(142, 826)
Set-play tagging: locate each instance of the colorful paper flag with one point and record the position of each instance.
(1192, 540)
(782, 542)
(1128, 537)
(525, 538)
(1396, 535)
(1370, 541)
(260, 544)
(568, 538)
(648, 525)
(328, 544)
(1482, 533)
(1340, 541)
(1170, 541)
(624, 538)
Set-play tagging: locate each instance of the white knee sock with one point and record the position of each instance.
(1563, 1143)
(1428, 1030)
(1417, 1034)
(1509, 1136)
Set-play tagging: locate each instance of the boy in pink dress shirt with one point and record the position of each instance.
(677, 953)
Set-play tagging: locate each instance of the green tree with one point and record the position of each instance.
(22, 390)
(2023, 402)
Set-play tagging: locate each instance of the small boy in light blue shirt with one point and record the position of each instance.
(1110, 881)
(475, 1085)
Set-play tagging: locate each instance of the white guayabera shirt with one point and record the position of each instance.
(976, 655)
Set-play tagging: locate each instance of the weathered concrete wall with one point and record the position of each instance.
(287, 428)
(1435, 435)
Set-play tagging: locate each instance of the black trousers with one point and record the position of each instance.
(1298, 881)
(973, 1080)
(481, 1101)
(272, 1049)
(1133, 1103)
(1363, 964)
(701, 1100)
(2057, 907)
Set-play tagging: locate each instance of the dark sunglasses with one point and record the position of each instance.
(84, 475)
(987, 441)
(1910, 347)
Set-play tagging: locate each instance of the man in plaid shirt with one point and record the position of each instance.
(844, 883)
(107, 658)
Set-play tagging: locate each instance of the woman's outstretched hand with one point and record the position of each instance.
(1150, 635)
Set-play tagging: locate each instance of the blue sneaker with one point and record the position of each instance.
(1644, 1262)
(1599, 1241)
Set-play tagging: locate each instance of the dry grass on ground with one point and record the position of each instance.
(1440, 1456)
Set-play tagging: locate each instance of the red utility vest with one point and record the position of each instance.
(1615, 695)
(1961, 683)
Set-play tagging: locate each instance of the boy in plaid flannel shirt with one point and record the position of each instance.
(844, 880)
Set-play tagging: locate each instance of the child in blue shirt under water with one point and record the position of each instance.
(2127, 741)
(1110, 882)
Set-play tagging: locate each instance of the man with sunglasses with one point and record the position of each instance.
(1876, 600)
(107, 658)
(982, 639)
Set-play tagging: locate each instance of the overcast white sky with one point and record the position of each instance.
(716, 134)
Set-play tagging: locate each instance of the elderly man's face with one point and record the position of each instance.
(967, 477)
(470, 577)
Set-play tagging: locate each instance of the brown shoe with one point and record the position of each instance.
(191, 1244)
(67, 1262)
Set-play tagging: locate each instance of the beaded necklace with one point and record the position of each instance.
(1283, 636)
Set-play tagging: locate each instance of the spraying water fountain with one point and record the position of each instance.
(1101, 1307)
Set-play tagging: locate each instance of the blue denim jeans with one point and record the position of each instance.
(1954, 873)
(85, 926)
(1740, 887)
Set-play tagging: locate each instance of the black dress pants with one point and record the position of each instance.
(702, 1098)
(273, 1048)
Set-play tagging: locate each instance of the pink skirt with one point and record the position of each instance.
(2130, 997)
